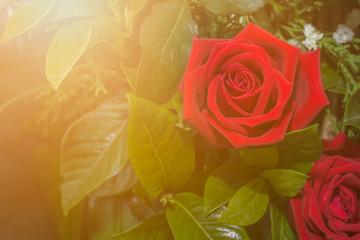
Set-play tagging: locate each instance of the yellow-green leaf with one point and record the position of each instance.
(166, 37)
(187, 221)
(285, 182)
(162, 155)
(224, 182)
(93, 150)
(153, 228)
(248, 205)
(120, 183)
(25, 18)
(65, 50)
(225, 7)
(260, 157)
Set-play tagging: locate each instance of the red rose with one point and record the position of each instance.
(250, 90)
(328, 207)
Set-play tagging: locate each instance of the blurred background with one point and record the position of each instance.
(23, 212)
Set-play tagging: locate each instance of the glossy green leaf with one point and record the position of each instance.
(285, 182)
(66, 48)
(248, 205)
(93, 150)
(153, 228)
(25, 18)
(166, 38)
(224, 182)
(187, 221)
(162, 155)
(260, 157)
(280, 225)
(121, 182)
(299, 149)
(352, 110)
(225, 7)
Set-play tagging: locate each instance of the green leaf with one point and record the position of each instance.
(280, 225)
(248, 205)
(65, 50)
(260, 157)
(120, 183)
(153, 228)
(176, 104)
(285, 182)
(25, 18)
(300, 149)
(224, 182)
(225, 7)
(166, 39)
(93, 150)
(352, 110)
(187, 221)
(332, 80)
(162, 155)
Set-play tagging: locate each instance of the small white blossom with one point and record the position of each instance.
(312, 33)
(310, 44)
(312, 36)
(353, 18)
(343, 34)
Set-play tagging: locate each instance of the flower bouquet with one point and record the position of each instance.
(192, 119)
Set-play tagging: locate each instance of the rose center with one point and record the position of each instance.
(341, 205)
(239, 80)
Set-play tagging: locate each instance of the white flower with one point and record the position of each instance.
(312, 36)
(353, 18)
(310, 44)
(343, 34)
(311, 32)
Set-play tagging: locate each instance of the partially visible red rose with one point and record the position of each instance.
(328, 207)
(250, 90)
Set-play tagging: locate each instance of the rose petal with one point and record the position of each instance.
(314, 215)
(262, 66)
(309, 93)
(217, 95)
(320, 171)
(191, 109)
(344, 228)
(302, 230)
(284, 94)
(216, 55)
(344, 165)
(200, 51)
(275, 134)
(350, 180)
(284, 54)
(342, 145)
